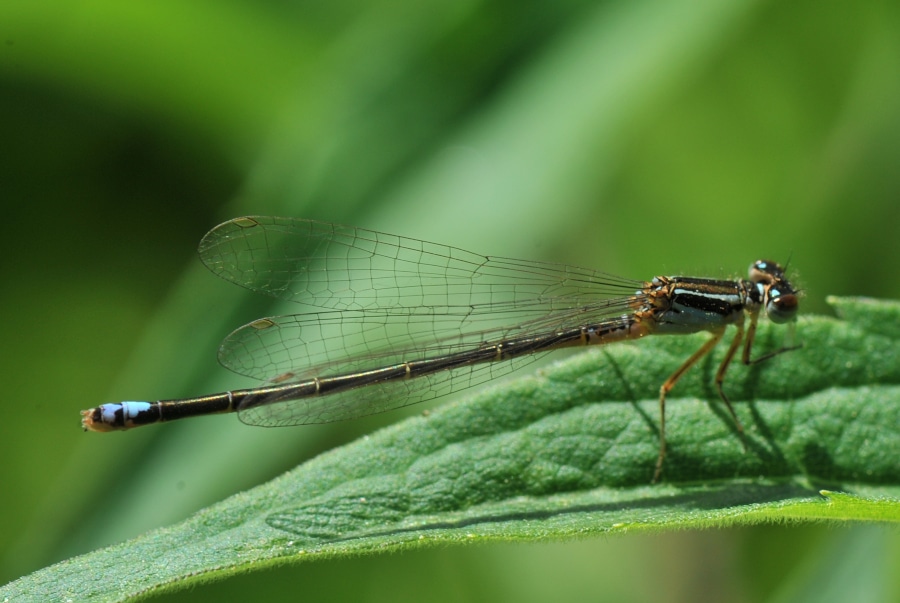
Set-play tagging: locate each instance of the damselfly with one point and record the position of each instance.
(400, 321)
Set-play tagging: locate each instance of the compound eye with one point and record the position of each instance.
(765, 271)
(782, 308)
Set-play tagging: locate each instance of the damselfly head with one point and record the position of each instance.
(780, 299)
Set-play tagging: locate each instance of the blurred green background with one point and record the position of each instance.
(635, 137)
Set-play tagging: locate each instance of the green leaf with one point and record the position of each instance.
(565, 453)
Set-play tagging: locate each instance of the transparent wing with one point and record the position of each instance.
(378, 397)
(389, 394)
(274, 342)
(285, 349)
(388, 300)
(346, 268)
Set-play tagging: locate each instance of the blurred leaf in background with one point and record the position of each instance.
(638, 138)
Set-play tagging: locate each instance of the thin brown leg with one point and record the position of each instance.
(748, 341)
(720, 374)
(748, 344)
(667, 387)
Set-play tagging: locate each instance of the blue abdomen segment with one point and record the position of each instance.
(120, 415)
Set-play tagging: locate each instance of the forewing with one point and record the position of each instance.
(346, 268)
